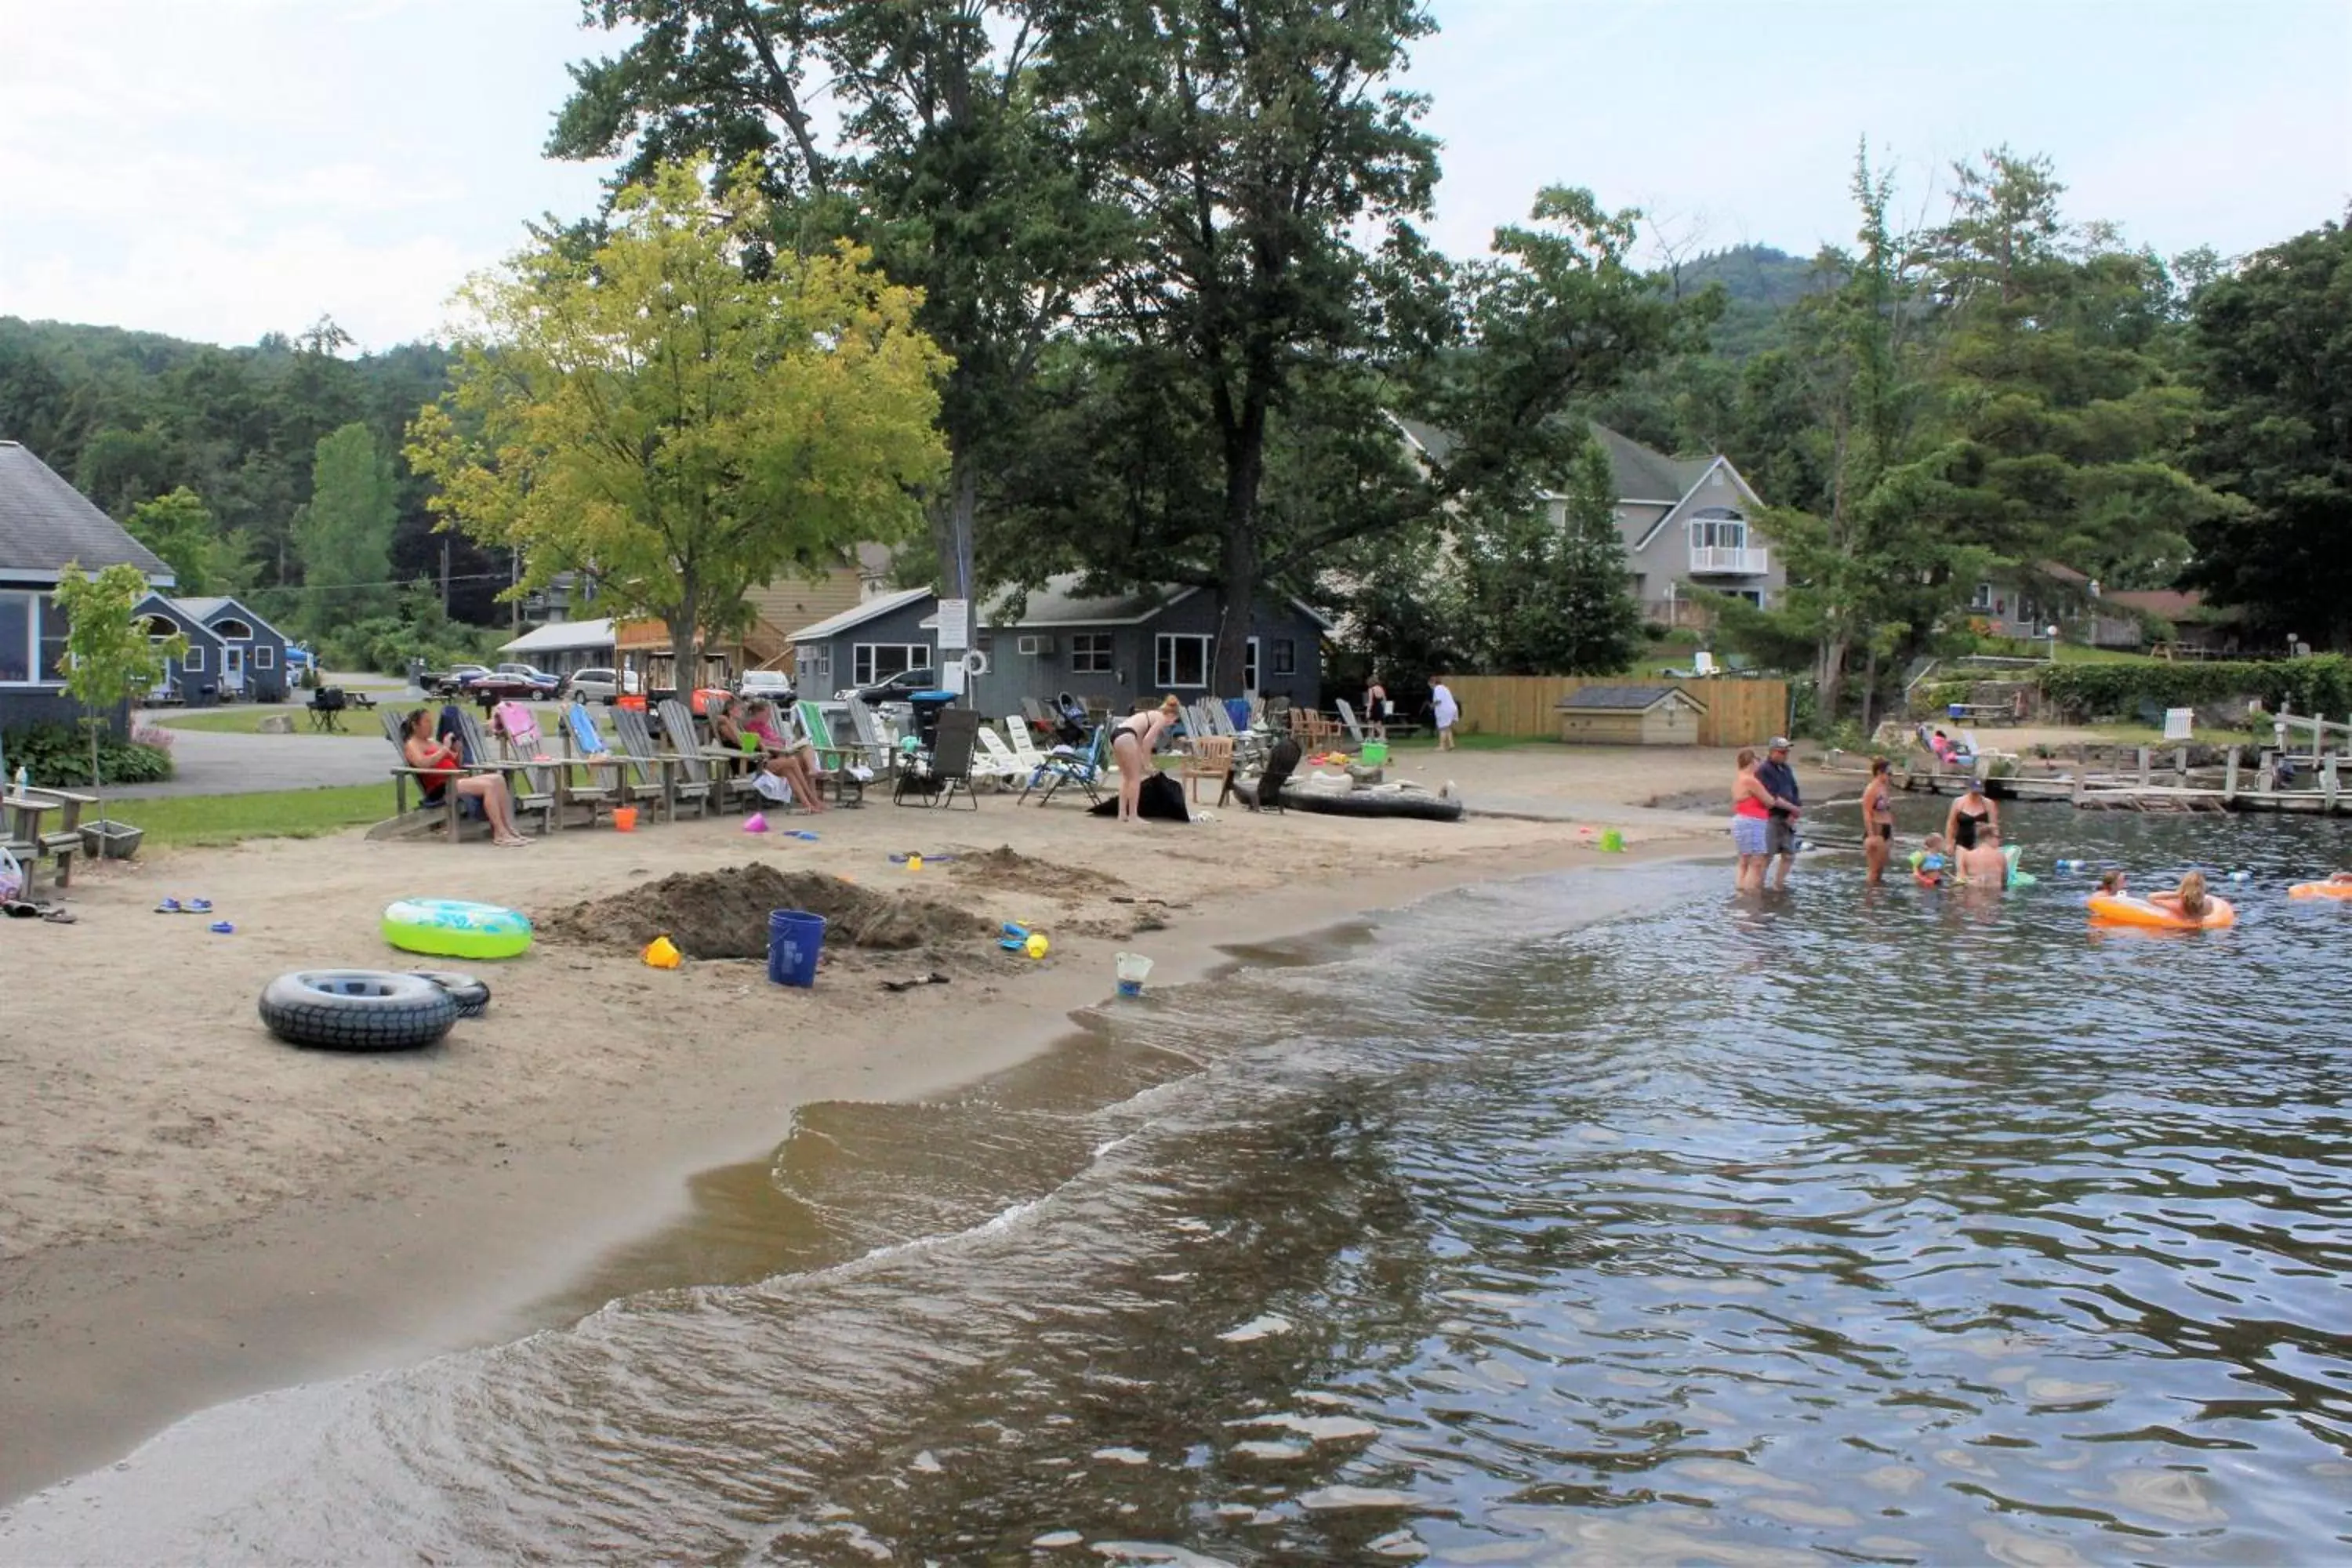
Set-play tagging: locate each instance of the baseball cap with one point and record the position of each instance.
(1777, 743)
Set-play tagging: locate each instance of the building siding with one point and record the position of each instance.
(201, 688)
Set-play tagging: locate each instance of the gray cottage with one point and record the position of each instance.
(1117, 649)
(252, 652)
(194, 678)
(1688, 524)
(46, 524)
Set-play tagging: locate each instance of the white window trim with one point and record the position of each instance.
(1274, 655)
(1101, 653)
(1253, 667)
(1163, 660)
(264, 657)
(193, 661)
(221, 630)
(918, 656)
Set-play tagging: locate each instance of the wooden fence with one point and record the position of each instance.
(1738, 712)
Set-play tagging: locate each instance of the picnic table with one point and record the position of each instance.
(23, 815)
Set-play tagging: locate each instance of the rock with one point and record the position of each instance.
(277, 724)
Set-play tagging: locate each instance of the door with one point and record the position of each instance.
(233, 670)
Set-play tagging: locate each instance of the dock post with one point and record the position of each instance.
(2144, 760)
(2181, 766)
(2230, 778)
(2075, 794)
(2328, 786)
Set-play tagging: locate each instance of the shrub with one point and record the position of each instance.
(58, 757)
(2320, 685)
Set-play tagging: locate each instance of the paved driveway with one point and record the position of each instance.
(210, 764)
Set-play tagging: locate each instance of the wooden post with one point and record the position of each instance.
(2229, 777)
(2181, 766)
(2327, 786)
(2075, 794)
(2318, 736)
(2144, 760)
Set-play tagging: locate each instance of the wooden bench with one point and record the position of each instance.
(20, 826)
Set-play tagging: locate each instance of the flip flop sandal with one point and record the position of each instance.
(60, 917)
(221, 928)
(198, 906)
(169, 907)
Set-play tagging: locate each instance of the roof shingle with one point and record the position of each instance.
(44, 523)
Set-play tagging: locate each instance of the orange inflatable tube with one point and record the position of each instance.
(2320, 891)
(2125, 910)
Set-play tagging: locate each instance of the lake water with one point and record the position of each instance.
(1899, 1227)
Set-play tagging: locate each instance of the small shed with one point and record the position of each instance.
(1629, 716)
(194, 677)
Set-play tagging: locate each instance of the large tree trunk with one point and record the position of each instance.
(951, 525)
(1830, 678)
(685, 636)
(1237, 569)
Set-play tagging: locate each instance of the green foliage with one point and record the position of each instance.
(387, 643)
(2274, 353)
(57, 756)
(344, 534)
(108, 654)
(183, 532)
(682, 424)
(1547, 596)
(2321, 685)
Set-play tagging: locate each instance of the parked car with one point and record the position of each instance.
(454, 680)
(899, 687)
(597, 684)
(539, 682)
(765, 685)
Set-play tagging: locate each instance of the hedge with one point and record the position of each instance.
(2322, 685)
(57, 756)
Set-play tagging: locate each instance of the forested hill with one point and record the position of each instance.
(129, 416)
(1759, 283)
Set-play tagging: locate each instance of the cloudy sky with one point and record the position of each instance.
(224, 169)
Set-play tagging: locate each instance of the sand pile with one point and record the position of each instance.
(1006, 868)
(724, 915)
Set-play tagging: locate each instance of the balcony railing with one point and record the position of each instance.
(1726, 561)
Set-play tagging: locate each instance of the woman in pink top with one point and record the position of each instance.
(793, 760)
(1751, 811)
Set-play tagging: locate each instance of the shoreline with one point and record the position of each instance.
(108, 1341)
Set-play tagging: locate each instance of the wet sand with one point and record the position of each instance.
(193, 1211)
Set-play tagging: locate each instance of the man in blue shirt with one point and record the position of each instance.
(1781, 830)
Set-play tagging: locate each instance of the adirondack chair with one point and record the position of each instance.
(676, 789)
(879, 754)
(518, 738)
(451, 804)
(527, 794)
(1348, 722)
(722, 771)
(833, 762)
(939, 774)
(624, 777)
(1212, 758)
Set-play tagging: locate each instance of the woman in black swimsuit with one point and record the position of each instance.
(1132, 739)
(1877, 820)
(1969, 812)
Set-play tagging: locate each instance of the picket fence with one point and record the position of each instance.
(1738, 712)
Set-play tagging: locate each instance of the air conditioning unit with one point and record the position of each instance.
(1036, 646)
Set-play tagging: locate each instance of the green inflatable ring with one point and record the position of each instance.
(451, 928)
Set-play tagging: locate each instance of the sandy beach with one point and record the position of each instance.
(193, 1210)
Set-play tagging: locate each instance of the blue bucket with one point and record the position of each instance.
(794, 940)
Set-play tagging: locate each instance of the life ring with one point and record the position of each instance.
(473, 997)
(357, 1010)
(2122, 909)
(451, 928)
(2320, 891)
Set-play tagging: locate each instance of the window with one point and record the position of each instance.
(2029, 611)
(233, 630)
(1717, 527)
(876, 661)
(1982, 598)
(264, 656)
(1249, 665)
(53, 641)
(1090, 653)
(1180, 660)
(193, 661)
(17, 645)
(813, 666)
(1286, 656)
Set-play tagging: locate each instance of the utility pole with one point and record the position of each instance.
(444, 576)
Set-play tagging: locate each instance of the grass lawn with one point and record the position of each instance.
(2150, 735)
(247, 720)
(196, 819)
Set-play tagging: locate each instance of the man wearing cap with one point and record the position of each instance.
(1780, 829)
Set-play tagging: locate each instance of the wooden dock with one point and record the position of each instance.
(2134, 781)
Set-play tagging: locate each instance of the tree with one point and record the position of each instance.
(344, 534)
(1550, 595)
(108, 655)
(182, 530)
(950, 163)
(2273, 349)
(1253, 144)
(682, 411)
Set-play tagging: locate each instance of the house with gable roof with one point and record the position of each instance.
(1688, 524)
(44, 525)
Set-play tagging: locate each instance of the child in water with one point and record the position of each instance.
(1929, 864)
(2188, 898)
(2112, 884)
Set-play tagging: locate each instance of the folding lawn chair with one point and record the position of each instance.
(939, 774)
(1068, 765)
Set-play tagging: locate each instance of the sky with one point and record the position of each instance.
(221, 170)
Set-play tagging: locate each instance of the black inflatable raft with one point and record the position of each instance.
(1357, 802)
